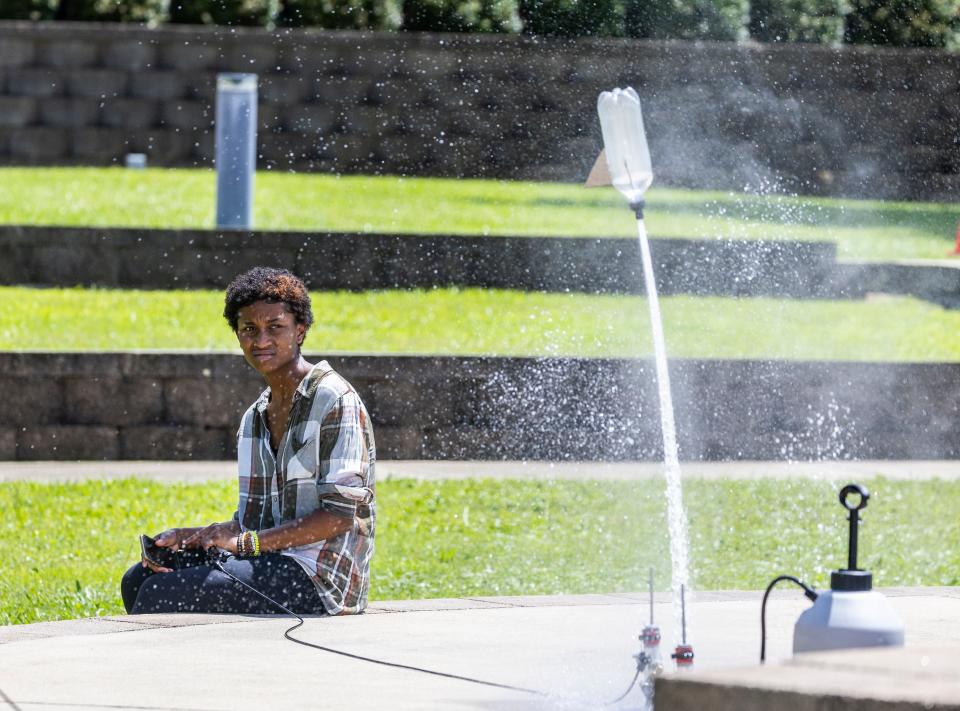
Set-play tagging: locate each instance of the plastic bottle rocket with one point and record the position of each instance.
(850, 614)
(624, 161)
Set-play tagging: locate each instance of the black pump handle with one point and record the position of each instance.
(854, 489)
(854, 518)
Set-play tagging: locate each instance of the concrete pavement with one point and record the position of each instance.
(447, 469)
(575, 649)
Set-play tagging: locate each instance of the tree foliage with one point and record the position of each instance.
(903, 23)
(148, 11)
(461, 15)
(687, 19)
(341, 14)
(796, 21)
(222, 12)
(572, 18)
(27, 9)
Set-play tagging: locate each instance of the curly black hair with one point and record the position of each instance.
(271, 285)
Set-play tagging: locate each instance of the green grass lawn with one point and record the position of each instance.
(477, 321)
(65, 546)
(288, 201)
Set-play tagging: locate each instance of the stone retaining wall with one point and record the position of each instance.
(187, 259)
(208, 259)
(851, 121)
(178, 406)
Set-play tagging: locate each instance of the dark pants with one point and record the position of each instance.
(198, 587)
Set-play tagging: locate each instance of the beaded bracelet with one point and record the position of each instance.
(248, 544)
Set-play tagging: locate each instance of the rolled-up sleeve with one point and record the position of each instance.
(344, 457)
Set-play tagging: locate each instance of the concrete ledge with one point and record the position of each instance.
(902, 679)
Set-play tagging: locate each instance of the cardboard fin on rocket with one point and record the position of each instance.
(599, 173)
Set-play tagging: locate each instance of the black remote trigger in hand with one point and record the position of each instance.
(158, 555)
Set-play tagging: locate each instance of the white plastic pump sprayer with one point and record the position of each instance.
(625, 144)
(851, 613)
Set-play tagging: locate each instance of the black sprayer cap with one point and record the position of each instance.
(852, 579)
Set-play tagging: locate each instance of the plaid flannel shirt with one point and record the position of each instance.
(326, 460)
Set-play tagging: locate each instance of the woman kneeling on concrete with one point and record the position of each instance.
(303, 531)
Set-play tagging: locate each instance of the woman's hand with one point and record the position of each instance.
(216, 535)
(173, 538)
(153, 566)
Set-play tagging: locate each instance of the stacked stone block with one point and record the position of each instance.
(867, 122)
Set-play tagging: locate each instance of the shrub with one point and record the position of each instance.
(341, 14)
(687, 19)
(903, 23)
(149, 11)
(27, 9)
(796, 21)
(223, 12)
(461, 15)
(572, 18)
(79, 10)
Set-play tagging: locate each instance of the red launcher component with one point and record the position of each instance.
(650, 636)
(683, 655)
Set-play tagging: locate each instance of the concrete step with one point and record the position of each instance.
(903, 679)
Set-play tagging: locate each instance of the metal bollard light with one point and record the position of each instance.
(236, 152)
(135, 161)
